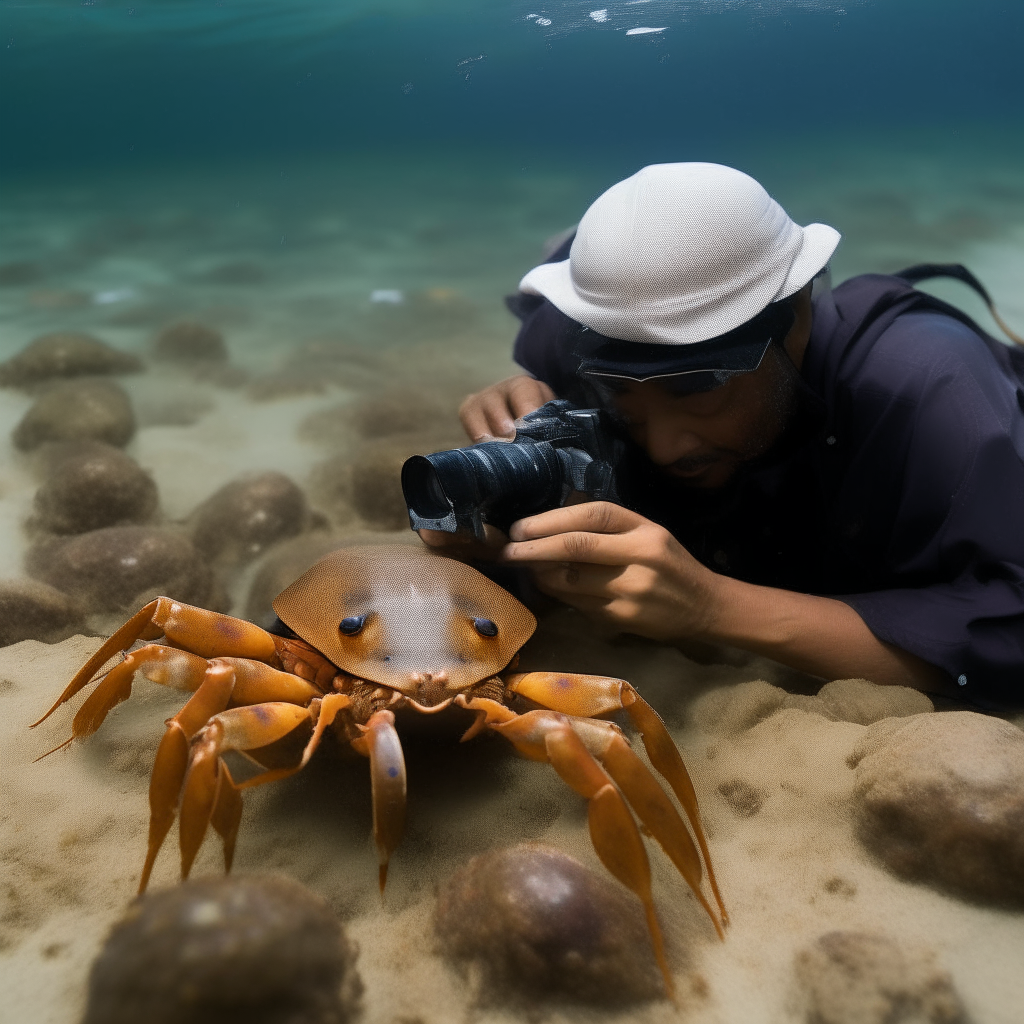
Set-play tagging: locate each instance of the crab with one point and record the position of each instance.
(366, 632)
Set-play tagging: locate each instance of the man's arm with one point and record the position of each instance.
(618, 566)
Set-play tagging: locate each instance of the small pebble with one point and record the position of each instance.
(77, 410)
(538, 922)
(190, 342)
(90, 485)
(260, 950)
(248, 515)
(120, 568)
(863, 978)
(30, 610)
(62, 355)
(940, 799)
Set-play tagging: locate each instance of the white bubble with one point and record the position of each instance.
(114, 295)
(387, 296)
(543, 21)
(645, 30)
(601, 15)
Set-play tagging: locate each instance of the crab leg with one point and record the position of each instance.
(253, 682)
(589, 696)
(210, 795)
(547, 736)
(380, 743)
(202, 632)
(216, 684)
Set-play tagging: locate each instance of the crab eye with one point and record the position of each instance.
(352, 625)
(485, 627)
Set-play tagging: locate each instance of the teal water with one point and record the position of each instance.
(272, 169)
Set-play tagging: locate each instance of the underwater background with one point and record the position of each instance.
(291, 226)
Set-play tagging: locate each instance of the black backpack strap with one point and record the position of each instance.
(925, 271)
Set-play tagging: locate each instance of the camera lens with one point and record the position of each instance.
(423, 490)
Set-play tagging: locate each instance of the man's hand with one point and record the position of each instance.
(617, 566)
(614, 564)
(490, 414)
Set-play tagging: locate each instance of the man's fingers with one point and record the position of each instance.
(587, 517)
(527, 395)
(490, 414)
(571, 579)
(486, 416)
(594, 548)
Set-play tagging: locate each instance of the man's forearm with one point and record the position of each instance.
(818, 635)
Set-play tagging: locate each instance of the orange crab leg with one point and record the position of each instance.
(202, 632)
(649, 801)
(211, 796)
(380, 743)
(545, 735)
(216, 683)
(590, 696)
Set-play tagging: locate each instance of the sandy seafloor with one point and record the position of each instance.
(120, 256)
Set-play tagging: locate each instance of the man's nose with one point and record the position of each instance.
(666, 443)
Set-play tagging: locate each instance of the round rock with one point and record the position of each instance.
(264, 950)
(860, 978)
(90, 485)
(120, 568)
(402, 411)
(30, 610)
(190, 342)
(65, 354)
(248, 515)
(940, 799)
(538, 922)
(77, 410)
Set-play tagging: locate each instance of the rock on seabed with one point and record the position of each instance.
(120, 568)
(30, 610)
(65, 354)
(90, 485)
(77, 410)
(537, 922)
(862, 978)
(940, 799)
(263, 950)
(246, 516)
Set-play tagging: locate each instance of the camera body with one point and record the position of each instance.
(558, 451)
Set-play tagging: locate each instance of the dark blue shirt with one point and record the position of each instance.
(898, 488)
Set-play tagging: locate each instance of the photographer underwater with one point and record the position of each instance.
(833, 479)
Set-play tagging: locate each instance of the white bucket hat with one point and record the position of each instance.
(681, 253)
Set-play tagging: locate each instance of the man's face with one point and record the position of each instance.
(702, 439)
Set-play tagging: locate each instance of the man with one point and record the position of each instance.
(831, 479)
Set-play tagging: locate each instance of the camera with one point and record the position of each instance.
(558, 451)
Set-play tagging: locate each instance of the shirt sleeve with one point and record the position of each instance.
(545, 348)
(955, 551)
